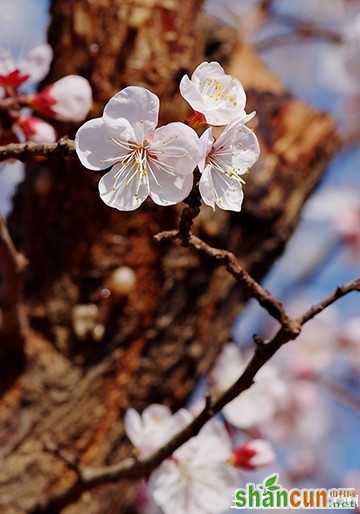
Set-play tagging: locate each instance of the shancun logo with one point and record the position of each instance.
(271, 495)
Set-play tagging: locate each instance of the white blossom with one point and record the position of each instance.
(32, 68)
(36, 130)
(149, 431)
(198, 479)
(224, 162)
(258, 404)
(254, 454)
(211, 92)
(145, 160)
(67, 99)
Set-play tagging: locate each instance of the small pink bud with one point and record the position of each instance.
(68, 99)
(252, 455)
(37, 130)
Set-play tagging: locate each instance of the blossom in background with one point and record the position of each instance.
(340, 65)
(198, 478)
(326, 206)
(36, 130)
(223, 163)
(67, 99)
(349, 340)
(149, 431)
(32, 68)
(218, 97)
(302, 418)
(253, 454)
(256, 405)
(145, 160)
(315, 349)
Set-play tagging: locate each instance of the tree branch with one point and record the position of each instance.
(23, 151)
(134, 468)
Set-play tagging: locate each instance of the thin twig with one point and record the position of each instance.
(273, 306)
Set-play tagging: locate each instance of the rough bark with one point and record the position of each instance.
(167, 333)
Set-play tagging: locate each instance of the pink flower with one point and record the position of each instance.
(253, 454)
(36, 130)
(219, 97)
(68, 99)
(224, 162)
(32, 68)
(145, 160)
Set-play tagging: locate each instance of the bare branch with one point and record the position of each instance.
(23, 151)
(336, 295)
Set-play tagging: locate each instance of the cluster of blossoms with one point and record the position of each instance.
(147, 160)
(68, 99)
(201, 476)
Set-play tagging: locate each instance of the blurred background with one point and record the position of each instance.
(314, 47)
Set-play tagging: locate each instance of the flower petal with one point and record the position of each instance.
(208, 70)
(7, 64)
(213, 490)
(134, 427)
(191, 94)
(37, 62)
(176, 147)
(169, 487)
(138, 106)
(228, 192)
(168, 189)
(206, 187)
(156, 413)
(72, 98)
(206, 144)
(37, 130)
(241, 143)
(95, 147)
(123, 188)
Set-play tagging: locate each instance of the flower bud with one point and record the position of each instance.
(37, 130)
(253, 455)
(122, 281)
(68, 99)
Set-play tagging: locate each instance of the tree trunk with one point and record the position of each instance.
(165, 335)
